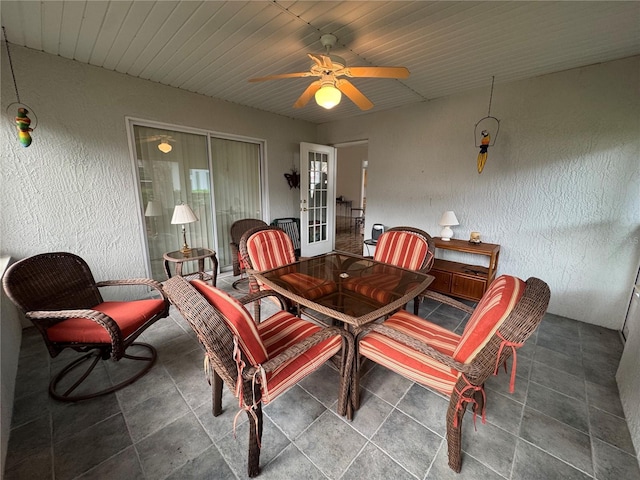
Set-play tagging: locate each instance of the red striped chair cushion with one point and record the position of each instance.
(270, 249)
(408, 362)
(283, 330)
(402, 249)
(308, 286)
(128, 315)
(238, 320)
(378, 286)
(491, 312)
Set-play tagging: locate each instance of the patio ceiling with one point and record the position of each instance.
(213, 48)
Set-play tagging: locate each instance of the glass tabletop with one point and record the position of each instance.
(350, 288)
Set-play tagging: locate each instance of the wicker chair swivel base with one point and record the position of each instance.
(258, 362)
(458, 365)
(58, 293)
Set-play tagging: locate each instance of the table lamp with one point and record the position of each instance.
(183, 214)
(154, 209)
(447, 220)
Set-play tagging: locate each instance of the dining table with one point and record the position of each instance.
(347, 289)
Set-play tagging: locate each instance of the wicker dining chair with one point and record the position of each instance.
(237, 229)
(264, 248)
(458, 365)
(405, 247)
(58, 293)
(258, 362)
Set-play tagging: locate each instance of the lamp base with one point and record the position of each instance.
(446, 234)
(185, 250)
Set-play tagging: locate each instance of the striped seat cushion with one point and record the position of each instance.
(378, 286)
(402, 249)
(408, 362)
(269, 249)
(280, 332)
(308, 286)
(492, 310)
(237, 319)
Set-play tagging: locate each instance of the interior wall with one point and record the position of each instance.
(349, 178)
(73, 189)
(559, 192)
(10, 340)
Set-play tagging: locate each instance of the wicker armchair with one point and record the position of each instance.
(258, 362)
(237, 229)
(264, 248)
(458, 365)
(405, 247)
(58, 293)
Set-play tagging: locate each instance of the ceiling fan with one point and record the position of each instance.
(329, 88)
(164, 146)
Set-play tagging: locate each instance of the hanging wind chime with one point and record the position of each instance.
(23, 122)
(486, 127)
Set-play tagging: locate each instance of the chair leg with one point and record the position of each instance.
(454, 434)
(255, 439)
(216, 390)
(68, 396)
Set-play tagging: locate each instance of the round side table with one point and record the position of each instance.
(196, 254)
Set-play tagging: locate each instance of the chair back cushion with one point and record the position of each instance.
(402, 249)
(269, 249)
(492, 310)
(238, 320)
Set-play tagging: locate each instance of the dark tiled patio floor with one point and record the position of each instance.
(564, 420)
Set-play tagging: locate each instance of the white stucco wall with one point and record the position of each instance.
(560, 191)
(73, 189)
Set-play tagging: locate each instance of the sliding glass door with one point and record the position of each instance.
(209, 174)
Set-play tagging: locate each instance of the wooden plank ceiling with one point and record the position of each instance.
(213, 48)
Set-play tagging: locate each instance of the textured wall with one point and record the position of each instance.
(73, 189)
(560, 191)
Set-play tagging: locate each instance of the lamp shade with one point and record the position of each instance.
(328, 96)
(164, 146)
(154, 209)
(183, 214)
(448, 218)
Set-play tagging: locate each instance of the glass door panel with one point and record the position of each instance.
(236, 173)
(179, 175)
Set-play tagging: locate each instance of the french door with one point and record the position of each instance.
(317, 198)
(218, 178)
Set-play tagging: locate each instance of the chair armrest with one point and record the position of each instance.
(301, 347)
(419, 346)
(134, 281)
(447, 300)
(252, 297)
(47, 318)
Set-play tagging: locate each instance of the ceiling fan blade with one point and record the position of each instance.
(281, 75)
(316, 59)
(355, 95)
(377, 72)
(307, 94)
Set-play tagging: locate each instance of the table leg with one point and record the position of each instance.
(166, 269)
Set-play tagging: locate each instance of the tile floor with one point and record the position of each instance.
(564, 420)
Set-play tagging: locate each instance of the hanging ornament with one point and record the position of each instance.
(484, 140)
(23, 122)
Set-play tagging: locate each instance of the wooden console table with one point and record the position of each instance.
(461, 279)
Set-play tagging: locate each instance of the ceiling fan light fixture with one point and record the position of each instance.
(164, 146)
(328, 96)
